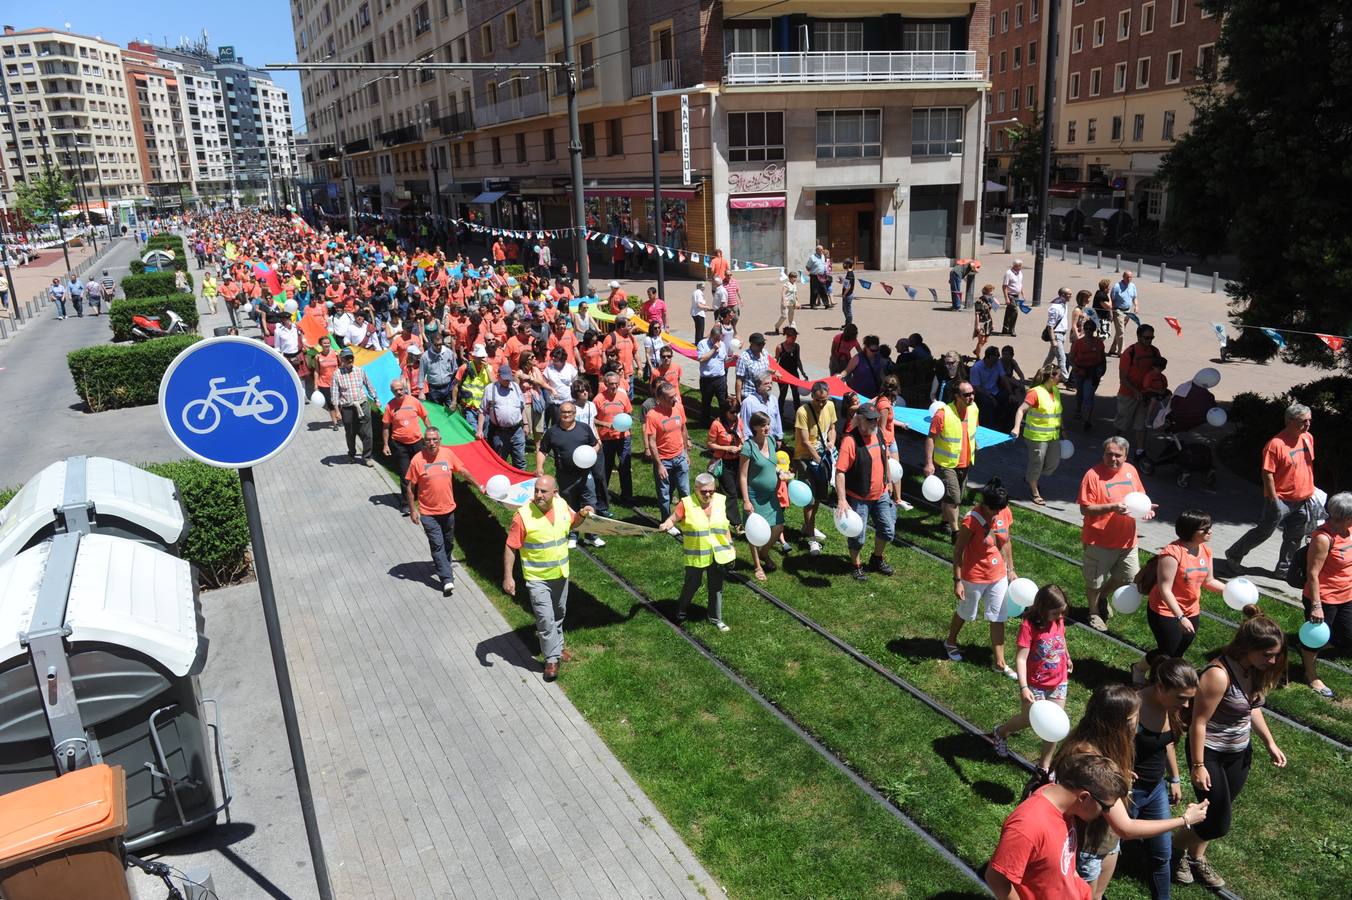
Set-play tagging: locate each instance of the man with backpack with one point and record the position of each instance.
(1108, 534)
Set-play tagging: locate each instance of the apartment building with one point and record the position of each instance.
(69, 107)
(162, 135)
(1016, 61)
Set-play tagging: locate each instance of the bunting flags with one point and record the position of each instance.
(934, 294)
(1220, 333)
(886, 287)
(1024, 307)
(1334, 342)
(1276, 337)
(1174, 324)
(911, 292)
(866, 285)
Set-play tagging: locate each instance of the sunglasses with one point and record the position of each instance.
(705, 491)
(968, 395)
(1104, 807)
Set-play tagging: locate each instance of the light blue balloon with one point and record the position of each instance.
(800, 494)
(1314, 635)
(623, 422)
(1015, 608)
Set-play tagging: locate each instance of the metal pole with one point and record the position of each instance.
(83, 194)
(9, 277)
(56, 213)
(657, 202)
(1048, 124)
(280, 669)
(575, 157)
(267, 153)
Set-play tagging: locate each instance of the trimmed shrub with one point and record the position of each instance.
(121, 311)
(150, 284)
(6, 495)
(218, 539)
(1257, 418)
(117, 375)
(516, 270)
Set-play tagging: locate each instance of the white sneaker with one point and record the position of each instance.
(595, 541)
(817, 535)
(572, 543)
(720, 625)
(674, 531)
(814, 548)
(904, 505)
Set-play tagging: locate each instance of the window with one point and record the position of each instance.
(1143, 72)
(755, 136)
(1167, 132)
(1206, 61)
(513, 37)
(1018, 57)
(589, 139)
(1073, 86)
(520, 146)
(1014, 99)
(926, 36)
(538, 15)
(849, 134)
(935, 132)
(666, 131)
(496, 144)
(1173, 67)
(1147, 17)
(1018, 15)
(1070, 132)
(1032, 53)
(1004, 21)
(486, 38)
(1076, 38)
(1138, 127)
(1095, 82)
(1034, 10)
(560, 76)
(1119, 77)
(1117, 128)
(1000, 102)
(1178, 13)
(615, 137)
(1004, 60)
(587, 63)
(1124, 25)
(1091, 131)
(1100, 31)
(550, 152)
(992, 26)
(837, 37)
(747, 38)
(1031, 102)
(422, 19)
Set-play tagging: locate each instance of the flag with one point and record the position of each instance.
(605, 239)
(1024, 307)
(1334, 342)
(681, 256)
(749, 266)
(651, 248)
(910, 291)
(1174, 324)
(671, 254)
(1220, 333)
(694, 258)
(866, 285)
(1135, 318)
(886, 287)
(1276, 337)
(934, 294)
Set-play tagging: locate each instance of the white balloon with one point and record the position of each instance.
(932, 489)
(1022, 591)
(757, 530)
(1216, 417)
(1127, 599)
(1137, 504)
(290, 306)
(498, 486)
(1049, 721)
(893, 470)
(736, 344)
(1067, 448)
(935, 407)
(508, 307)
(1239, 593)
(1207, 378)
(317, 399)
(849, 525)
(584, 457)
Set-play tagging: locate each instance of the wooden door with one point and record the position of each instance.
(841, 234)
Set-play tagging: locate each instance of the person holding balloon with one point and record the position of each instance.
(725, 446)
(576, 450)
(1328, 588)
(706, 541)
(862, 494)
(614, 422)
(1183, 569)
(1108, 535)
(759, 475)
(1043, 666)
(983, 566)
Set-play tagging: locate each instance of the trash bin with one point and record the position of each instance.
(61, 838)
(112, 630)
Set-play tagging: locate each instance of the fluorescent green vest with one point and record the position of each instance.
(1043, 422)
(544, 553)
(706, 536)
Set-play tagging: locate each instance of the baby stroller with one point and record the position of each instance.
(1184, 411)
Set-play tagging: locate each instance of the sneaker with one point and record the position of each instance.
(817, 535)
(1183, 869)
(366, 461)
(905, 506)
(857, 573)
(572, 543)
(1323, 690)
(448, 589)
(1001, 745)
(595, 541)
(785, 547)
(1007, 672)
(879, 565)
(720, 625)
(1096, 622)
(674, 531)
(953, 652)
(1207, 875)
(814, 548)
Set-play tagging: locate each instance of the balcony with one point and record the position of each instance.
(455, 123)
(512, 108)
(663, 75)
(404, 134)
(359, 146)
(889, 66)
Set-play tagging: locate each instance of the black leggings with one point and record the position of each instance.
(1169, 634)
(1228, 770)
(713, 575)
(1338, 617)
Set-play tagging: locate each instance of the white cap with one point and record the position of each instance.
(614, 285)
(414, 350)
(480, 352)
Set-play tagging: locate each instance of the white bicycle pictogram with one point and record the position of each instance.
(204, 415)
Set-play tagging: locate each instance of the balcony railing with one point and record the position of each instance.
(850, 68)
(455, 123)
(535, 103)
(404, 134)
(663, 75)
(362, 145)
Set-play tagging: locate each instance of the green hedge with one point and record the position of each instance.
(218, 539)
(117, 375)
(121, 311)
(150, 284)
(1257, 418)
(6, 495)
(515, 270)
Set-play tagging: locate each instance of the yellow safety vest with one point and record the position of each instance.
(706, 536)
(544, 552)
(948, 443)
(472, 387)
(1043, 422)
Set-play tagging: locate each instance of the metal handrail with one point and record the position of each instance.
(850, 67)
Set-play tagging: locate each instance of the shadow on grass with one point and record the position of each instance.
(955, 748)
(925, 649)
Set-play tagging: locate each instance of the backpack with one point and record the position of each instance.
(1149, 576)
(1300, 567)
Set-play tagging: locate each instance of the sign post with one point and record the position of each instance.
(685, 139)
(234, 402)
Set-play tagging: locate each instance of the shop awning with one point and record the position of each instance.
(489, 197)
(772, 202)
(870, 185)
(640, 192)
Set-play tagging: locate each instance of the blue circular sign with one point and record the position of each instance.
(231, 401)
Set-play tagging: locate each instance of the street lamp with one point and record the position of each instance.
(56, 213)
(657, 180)
(1048, 122)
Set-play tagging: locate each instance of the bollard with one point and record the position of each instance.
(1117, 262)
(1187, 275)
(1163, 268)
(1140, 267)
(4, 329)
(28, 308)
(1063, 253)
(1098, 259)
(1079, 261)
(1215, 278)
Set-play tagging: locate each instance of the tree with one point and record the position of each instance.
(44, 195)
(1025, 166)
(1265, 170)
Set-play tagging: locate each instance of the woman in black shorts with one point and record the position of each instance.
(1328, 584)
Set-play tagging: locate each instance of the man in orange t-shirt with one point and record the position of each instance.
(403, 436)
(1108, 534)
(611, 401)
(430, 496)
(1288, 492)
(667, 443)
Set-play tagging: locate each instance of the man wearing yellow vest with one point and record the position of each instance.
(472, 379)
(540, 531)
(950, 451)
(1040, 415)
(707, 544)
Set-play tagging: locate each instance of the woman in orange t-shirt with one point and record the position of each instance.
(725, 445)
(1184, 569)
(983, 567)
(1328, 583)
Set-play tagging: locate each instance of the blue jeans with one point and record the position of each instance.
(509, 440)
(884, 516)
(955, 289)
(1153, 803)
(60, 306)
(440, 531)
(675, 475)
(847, 304)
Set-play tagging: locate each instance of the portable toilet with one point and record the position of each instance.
(101, 642)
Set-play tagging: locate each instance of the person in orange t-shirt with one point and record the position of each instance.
(1328, 583)
(1108, 534)
(431, 500)
(861, 485)
(1288, 493)
(1174, 607)
(403, 436)
(983, 567)
(616, 446)
(666, 442)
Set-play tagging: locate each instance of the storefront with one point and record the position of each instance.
(756, 223)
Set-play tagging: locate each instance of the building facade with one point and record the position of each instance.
(1016, 61)
(162, 135)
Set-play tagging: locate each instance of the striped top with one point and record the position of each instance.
(1228, 729)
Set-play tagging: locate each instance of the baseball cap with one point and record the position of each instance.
(614, 284)
(869, 412)
(347, 352)
(504, 371)
(414, 350)
(480, 352)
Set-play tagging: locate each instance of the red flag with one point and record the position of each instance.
(887, 287)
(1174, 324)
(681, 256)
(652, 248)
(1334, 342)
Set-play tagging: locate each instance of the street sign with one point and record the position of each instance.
(685, 139)
(231, 401)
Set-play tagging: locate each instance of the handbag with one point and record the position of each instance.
(1047, 333)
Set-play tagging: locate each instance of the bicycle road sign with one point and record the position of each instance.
(231, 401)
